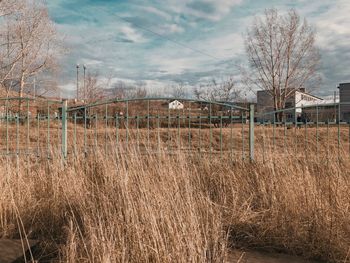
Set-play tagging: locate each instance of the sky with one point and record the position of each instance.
(161, 43)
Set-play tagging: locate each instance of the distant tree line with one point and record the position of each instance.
(280, 48)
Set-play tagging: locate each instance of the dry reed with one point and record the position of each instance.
(176, 208)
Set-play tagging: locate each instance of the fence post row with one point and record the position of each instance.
(64, 128)
(251, 132)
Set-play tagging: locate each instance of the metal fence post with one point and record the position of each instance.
(251, 132)
(64, 129)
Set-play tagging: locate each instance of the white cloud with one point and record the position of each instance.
(204, 9)
(225, 46)
(223, 7)
(174, 65)
(156, 11)
(131, 34)
(90, 62)
(170, 29)
(333, 26)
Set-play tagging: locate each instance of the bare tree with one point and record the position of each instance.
(225, 91)
(282, 55)
(37, 42)
(29, 45)
(122, 90)
(198, 92)
(94, 89)
(7, 7)
(44, 85)
(178, 91)
(138, 93)
(215, 91)
(9, 54)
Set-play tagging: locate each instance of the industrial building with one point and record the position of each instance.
(344, 99)
(307, 107)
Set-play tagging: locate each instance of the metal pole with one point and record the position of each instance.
(17, 133)
(85, 136)
(243, 141)
(221, 135)
(28, 127)
(339, 131)
(75, 134)
(77, 82)
(64, 128)
(7, 128)
(84, 91)
(48, 130)
(38, 135)
(106, 126)
(148, 125)
(251, 132)
(210, 130)
(127, 124)
(231, 129)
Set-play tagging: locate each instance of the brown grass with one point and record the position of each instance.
(177, 208)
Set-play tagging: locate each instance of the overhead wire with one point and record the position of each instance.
(163, 36)
(137, 25)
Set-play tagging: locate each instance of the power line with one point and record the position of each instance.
(164, 37)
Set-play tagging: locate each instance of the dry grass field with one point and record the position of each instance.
(132, 206)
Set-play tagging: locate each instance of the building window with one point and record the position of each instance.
(307, 98)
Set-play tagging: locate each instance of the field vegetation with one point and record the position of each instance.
(137, 206)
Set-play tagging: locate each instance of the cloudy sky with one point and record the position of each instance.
(162, 42)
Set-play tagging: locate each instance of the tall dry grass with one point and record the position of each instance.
(176, 208)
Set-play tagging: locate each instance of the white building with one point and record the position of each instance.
(297, 100)
(302, 99)
(176, 105)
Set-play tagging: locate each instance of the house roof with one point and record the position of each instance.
(175, 101)
(309, 95)
(300, 91)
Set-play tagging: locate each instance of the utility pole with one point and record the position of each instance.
(335, 108)
(84, 82)
(77, 97)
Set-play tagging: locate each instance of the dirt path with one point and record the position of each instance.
(14, 250)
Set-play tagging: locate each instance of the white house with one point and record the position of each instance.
(176, 105)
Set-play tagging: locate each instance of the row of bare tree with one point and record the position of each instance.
(213, 90)
(95, 88)
(29, 47)
(280, 49)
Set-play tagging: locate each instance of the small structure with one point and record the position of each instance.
(176, 105)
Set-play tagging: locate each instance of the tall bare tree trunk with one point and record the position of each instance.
(282, 55)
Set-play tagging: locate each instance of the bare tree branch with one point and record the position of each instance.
(29, 44)
(282, 55)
